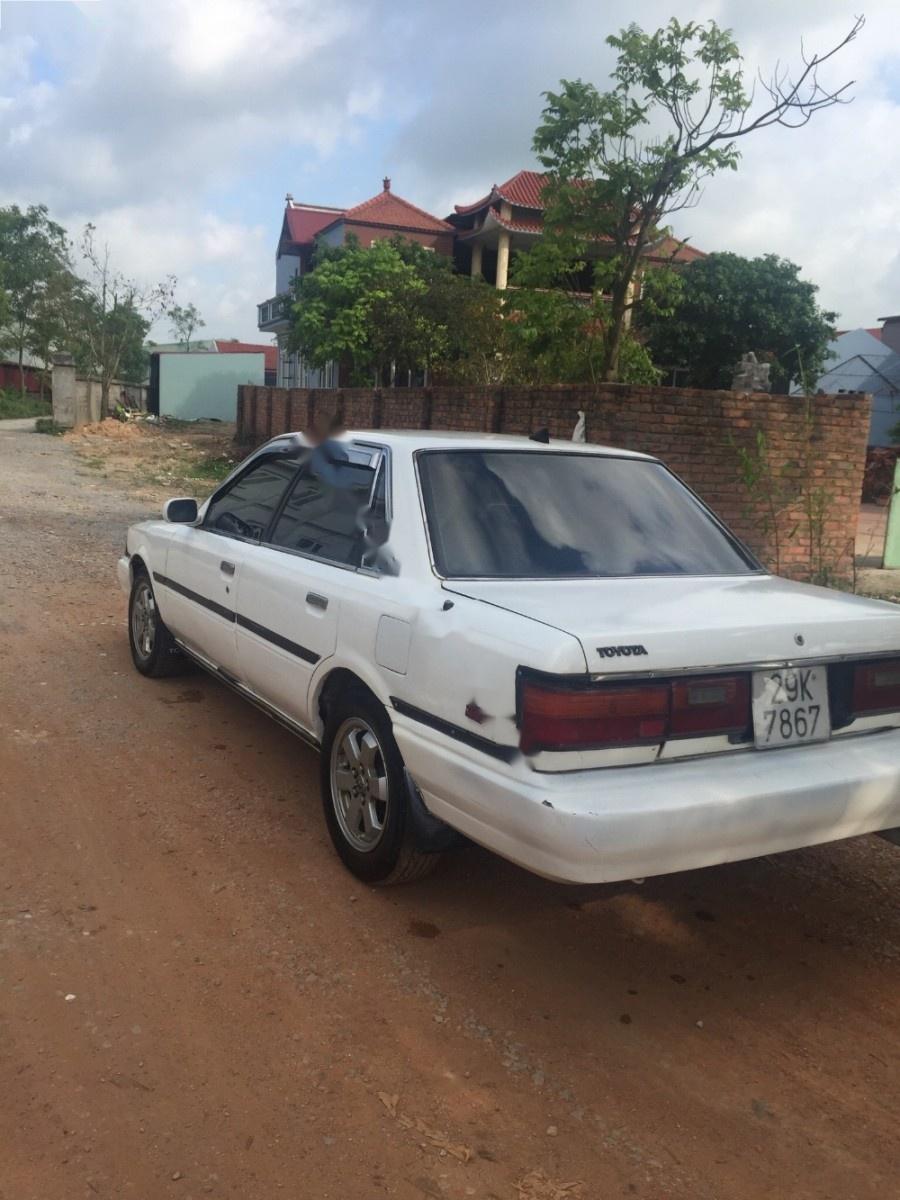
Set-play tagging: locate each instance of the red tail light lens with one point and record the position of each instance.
(709, 705)
(581, 718)
(566, 717)
(876, 687)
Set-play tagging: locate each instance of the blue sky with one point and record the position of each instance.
(177, 126)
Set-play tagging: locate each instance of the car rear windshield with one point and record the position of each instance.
(500, 514)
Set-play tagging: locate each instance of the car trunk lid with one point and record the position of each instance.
(674, 623)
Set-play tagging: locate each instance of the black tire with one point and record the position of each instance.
(154, 651)
(377, 845)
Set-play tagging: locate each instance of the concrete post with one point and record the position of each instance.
(892, 538)
(476, 260)
(64, 405)
(502, 260)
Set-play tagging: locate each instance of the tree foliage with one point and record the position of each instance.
(34, 258)
(729, 306)
(557, 332)
(55, 321)
(620, 162)
(116, 314)
(393, 309)
(185, 320)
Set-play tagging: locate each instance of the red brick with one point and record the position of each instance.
(819, 442)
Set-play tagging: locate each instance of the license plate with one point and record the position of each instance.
(790, 706)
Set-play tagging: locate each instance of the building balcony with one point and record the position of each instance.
(273, 315)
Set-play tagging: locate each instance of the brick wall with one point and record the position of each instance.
(816, 450)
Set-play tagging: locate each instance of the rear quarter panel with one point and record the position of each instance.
(467, 656)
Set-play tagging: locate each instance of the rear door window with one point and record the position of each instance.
(328, 509)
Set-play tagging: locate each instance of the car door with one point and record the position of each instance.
(289, 594)
(204, 563)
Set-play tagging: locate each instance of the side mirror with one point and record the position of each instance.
(180, 512)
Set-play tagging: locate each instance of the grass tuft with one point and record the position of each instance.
(14, 407)
(48, 425)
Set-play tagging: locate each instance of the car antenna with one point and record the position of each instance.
(540, 435)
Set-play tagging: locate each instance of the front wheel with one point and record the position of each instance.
(364, 794)
(153, 649)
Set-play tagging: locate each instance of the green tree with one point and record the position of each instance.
(620, 162)
(34, 252)
(185, 320)
(134, 360)
(390, 309)
(55, 325)
(556, 331)
(117, 312)
(728, 306)
(467, 315)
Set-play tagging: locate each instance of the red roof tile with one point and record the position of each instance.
(519, 225)
(523, 190)
(669, 249)
(225, 346)
(387, 209)
(305, 221)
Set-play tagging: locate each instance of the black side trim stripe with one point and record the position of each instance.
(220, 610)
(276, 639)
(485, 745)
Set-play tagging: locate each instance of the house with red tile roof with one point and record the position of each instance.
(510, 217)
(304, 226)
(480, 237)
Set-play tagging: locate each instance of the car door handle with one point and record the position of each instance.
(227, 568)
(316, 601)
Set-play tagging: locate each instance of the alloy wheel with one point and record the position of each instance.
(359, 784)
(143, 620)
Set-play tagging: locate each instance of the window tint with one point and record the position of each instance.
(539, 515)
(327, 510)
(249, 505)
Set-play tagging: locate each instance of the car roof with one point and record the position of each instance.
(409, 440)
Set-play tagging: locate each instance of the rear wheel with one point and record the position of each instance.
(153, 649)
(364, 794)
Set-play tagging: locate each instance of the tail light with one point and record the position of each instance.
(713, 704)
(560, 718)
(574, 717)
(876, 687)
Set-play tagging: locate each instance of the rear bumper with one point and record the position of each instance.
(630, 822)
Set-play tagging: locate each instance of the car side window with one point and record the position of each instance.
(248, 506)
(325, 515)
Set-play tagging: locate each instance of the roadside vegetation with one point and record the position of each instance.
(59, 297)
(48, 425)
(13, 405)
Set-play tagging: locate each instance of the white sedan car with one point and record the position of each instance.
(555, 650)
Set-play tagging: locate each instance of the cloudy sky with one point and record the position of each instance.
(177, 126)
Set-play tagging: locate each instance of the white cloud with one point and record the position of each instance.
(224, 267)
(177, 125)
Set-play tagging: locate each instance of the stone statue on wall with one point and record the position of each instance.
(750, 375)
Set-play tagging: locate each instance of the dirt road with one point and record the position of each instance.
(196, 1000)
